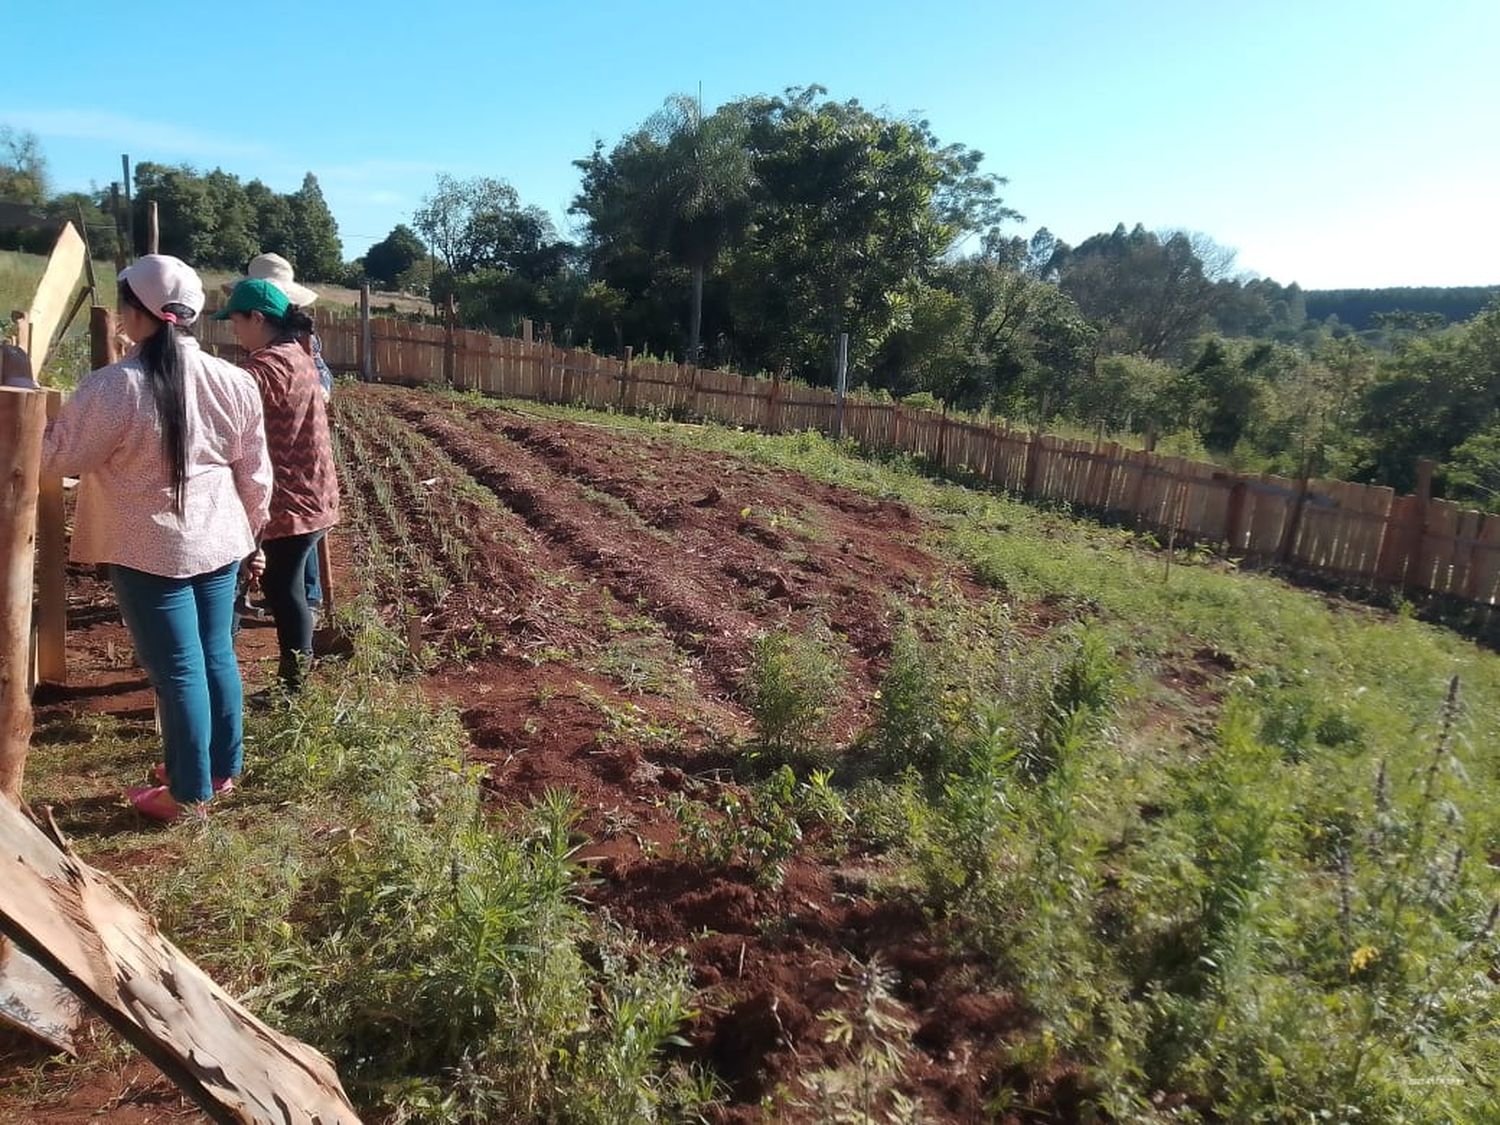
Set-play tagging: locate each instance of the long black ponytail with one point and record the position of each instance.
(161, 357)
(294, 324)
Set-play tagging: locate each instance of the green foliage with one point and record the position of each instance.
(394, 256)
(1359, 308)
(1215, 900)
(792, 689)
(317, 254)
(480, 223)
(1153, 293)
(214, 221)
(23, 168)
(442, 960)
(1472, 473)
(673, 197)
(944, 663)
(1432, 397)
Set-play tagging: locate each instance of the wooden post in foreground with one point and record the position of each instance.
(23, 421)
(102, 350)
(51, 571)
(153, 229)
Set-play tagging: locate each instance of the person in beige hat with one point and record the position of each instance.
(175, 484)
(278, 271)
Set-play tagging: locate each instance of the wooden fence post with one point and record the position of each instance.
(526, 336)
(1234, 528)
(23, 421)
(129, 208)
(52, 571)
(1033, 463)
(627, 383)
(102, 351)
(1420, 515)
(573, 376)
(841, 390)
(153, 229)
(121, 236)
(942, 441)
(366, 342)
(450, 319)
(1294, 522)
(1137, 498)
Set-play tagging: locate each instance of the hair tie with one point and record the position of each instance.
(169, 317)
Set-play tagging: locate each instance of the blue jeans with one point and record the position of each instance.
(183, 634)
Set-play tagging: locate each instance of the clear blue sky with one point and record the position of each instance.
(1333, 142)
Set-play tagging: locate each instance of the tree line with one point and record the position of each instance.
(211, 219)
(752, 236)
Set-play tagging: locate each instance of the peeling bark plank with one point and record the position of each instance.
(88, 932)
(32, 1001)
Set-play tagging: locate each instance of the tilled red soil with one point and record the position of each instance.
(687, 537)
(575, 529)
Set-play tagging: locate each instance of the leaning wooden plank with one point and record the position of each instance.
(64, 268)
(32, 1000)
(89, 934)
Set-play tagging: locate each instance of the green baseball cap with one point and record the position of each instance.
(255, 294)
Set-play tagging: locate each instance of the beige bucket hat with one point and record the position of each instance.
(278, 271)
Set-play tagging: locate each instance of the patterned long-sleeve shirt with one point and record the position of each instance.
(107, 434)
(306, 497)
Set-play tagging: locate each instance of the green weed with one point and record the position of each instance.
(791, 691)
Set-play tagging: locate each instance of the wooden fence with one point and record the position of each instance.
(1354, 533)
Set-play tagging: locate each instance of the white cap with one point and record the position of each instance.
(160, 281)
(278, 271)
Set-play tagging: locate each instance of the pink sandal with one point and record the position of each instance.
(157, 802)
(223, 786)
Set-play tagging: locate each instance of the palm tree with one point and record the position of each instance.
(697, 198)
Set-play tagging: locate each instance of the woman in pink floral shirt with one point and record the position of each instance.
(175, 485)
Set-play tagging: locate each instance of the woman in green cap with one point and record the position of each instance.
(305, 499)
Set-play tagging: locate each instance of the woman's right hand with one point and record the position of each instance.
(256, 564)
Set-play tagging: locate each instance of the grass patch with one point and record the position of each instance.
(356, 894)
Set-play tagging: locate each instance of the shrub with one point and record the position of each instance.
(794, 684)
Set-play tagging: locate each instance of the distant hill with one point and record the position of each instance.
(1358, 307)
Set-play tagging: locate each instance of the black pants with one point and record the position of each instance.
(285, 587)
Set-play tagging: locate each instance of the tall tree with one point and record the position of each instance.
(693, 178)
(275, 222)
(394, 255)
(480, 223)
(317, 253)
(185, 213)
(1153, 293)
(851, 207)
(23, 168)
